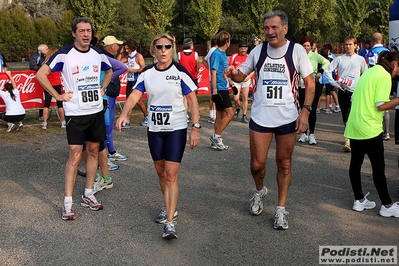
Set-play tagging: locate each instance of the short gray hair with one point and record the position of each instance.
(281, 14)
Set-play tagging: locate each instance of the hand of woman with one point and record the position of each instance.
(194, 138)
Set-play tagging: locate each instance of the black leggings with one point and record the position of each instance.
(374, 148)
(345, 102)
(312, 115)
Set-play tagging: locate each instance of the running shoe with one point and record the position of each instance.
(169, 230)
(108, 184)
(44, 125)
(112, 166)
(236, 113)
(127, 124)
(20, 125)
(63, 124)
(117, 157)
(280, 219)
(91, 202)
(365, 204)
(317, 110)
(337, 109)
(245, 120)
(386, 136)
(226, 147)
(312, 139)
(391, 211)
(303, 138)
(10, 127)
(98, 184)
(256, 202)
(145, 122)
(218, 143)
(347, 146)
(327, 111)
(67, 212)
(161, 218)
(211, 120)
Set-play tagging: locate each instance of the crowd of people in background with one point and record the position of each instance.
(286, 80)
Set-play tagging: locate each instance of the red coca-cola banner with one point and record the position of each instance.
(29, 88)
(203, 80)
(32, 93)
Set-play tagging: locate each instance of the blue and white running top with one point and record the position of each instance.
(166, 90)
(80, 73)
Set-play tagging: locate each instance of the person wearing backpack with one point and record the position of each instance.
(278, 63)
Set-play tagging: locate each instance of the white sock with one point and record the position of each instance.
(68, 200)
(259, 191)
(88, 192)
(213, 114)
(280, 207)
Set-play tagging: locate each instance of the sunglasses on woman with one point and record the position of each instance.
(160, 46)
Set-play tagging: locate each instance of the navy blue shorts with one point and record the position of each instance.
(281, 130)
(167, 146)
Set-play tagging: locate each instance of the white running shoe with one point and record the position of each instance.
(98, 184)
(10, 127)
(169, 230)
(303, 138)
(117, 157)
(312, 139)
(112, 166)
(20, 125)
(44, 125)
(161, 218)
(391, 211)
(366, 204)
(256, 206)
(280, 219)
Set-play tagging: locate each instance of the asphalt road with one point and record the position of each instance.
(214, 224)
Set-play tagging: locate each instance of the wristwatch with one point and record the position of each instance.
(196, 125)
(308, 107)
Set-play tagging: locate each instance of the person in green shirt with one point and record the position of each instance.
(364, 129)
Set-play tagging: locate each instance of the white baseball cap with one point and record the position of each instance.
(111, 40)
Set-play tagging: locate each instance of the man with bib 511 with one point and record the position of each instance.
(275, 109)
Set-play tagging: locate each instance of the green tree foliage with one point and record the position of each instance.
(100, 12)
(351, 15)
(379, 16)
(159, 15)
(253, 11)
(310, 18)
(26, 23)
(7, 33)
(46, 31)
(128, 23)
(64, 28)
(25, 31)
(205, 16)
